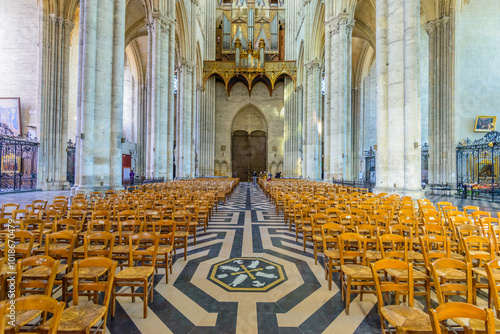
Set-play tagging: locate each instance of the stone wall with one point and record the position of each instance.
(477, 90)
(19, 57)
(226, 109)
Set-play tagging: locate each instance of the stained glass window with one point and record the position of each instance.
(323, 83)
(176, 84)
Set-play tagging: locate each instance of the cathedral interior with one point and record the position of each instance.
(243, 108)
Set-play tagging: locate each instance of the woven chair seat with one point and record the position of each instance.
(122, 249)
(408, 318)
(415, 256)
(478, 252)
(162, 249)
(403, 274)
(43, 271)
(79, 318)
(135, 273)
(24, 246)
(334, 254)
(451, 274)
(317, 237)
(357, 271)
(482, 272)
(91, 248)
(476, 325)
(373, 255)
(23, 317)
(58, 247)
(181, 234)
(307, 228)
(88, 273)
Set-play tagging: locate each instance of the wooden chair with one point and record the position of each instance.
(451, 278)
(25, 242)
(166, 234)
(399, 318)
(478, 251)
(469, 210)
(35, 307)
(468, 316)
(8, 208)
(138, 276)
(330, 232)
(493, 272)
(90, 317)
(353, 269)
(37, 227)
(181, 219)
(36, 275)
(98, 244)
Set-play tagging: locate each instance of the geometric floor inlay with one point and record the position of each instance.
(250, 274)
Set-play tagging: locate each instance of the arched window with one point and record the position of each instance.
(176, 83)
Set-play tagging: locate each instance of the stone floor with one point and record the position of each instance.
(246, 275)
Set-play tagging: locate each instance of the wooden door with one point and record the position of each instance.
(240, 153)
(258, 151)
(249, 153)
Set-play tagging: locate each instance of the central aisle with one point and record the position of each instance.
(247, 247)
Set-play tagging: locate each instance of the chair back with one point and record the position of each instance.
(458, 280)
(45, 304)
(383, 284)
(143, 251)
(393, 246)
(461, 310)
(98, 244)
(36, 275)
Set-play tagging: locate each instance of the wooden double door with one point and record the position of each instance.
(249, 152)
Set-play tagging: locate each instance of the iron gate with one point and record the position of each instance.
(478, 169)
(70, 162)
(18, 161)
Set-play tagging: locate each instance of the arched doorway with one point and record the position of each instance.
(249, 153)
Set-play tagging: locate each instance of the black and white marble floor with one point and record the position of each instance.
(218, 288)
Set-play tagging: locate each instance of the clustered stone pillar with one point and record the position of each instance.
(312, 120)
(398, 112)
(159, 149)
(292, 130)
(441, 103)
(100, 95)
(207, 112)
(185, 116)
(338, 140)
(55, 77)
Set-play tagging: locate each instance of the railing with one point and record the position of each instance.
(355, 183)
(140, 180)
(18, 161)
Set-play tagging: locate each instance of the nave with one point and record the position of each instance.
(246, 226)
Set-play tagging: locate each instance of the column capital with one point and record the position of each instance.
(68, 24)
(334, 23)
(430, 27)
(299, 88)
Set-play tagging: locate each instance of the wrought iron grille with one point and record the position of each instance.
(18, 161)
(370, 166)
(70, 160)
(478, 169)
(425, 163)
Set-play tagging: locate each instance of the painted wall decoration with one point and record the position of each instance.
(10, 113)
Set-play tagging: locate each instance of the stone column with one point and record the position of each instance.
(339, 114)
(100, 95)
(312, 118)
(398, 112)
(300, 130)
(84, 178)
(185, 121)
(171, 100)
(116, 129)
(442, 161)
(54, 83)
(327, 109)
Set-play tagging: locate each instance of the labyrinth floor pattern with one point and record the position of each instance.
(246, 226)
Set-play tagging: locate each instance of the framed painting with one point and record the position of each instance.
(10, 113)
(485, 123)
